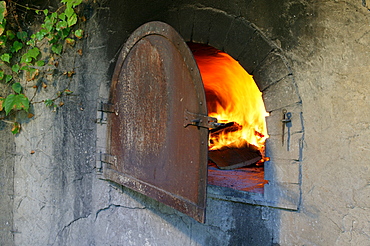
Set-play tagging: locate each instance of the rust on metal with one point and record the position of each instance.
(155, 81)
(199, 120)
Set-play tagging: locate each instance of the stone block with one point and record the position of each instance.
(172, 18)
(202, 24)
(240, 33)
(271, 70)
(291, 150)
(254, 52)
(219, 28)
(7, 158)
(275, 124)
(283, 195)
(281, 94)
(186, 15)
(282, 171)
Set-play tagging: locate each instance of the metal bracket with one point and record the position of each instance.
(105, 108)
(104, 158)
(200, 120)
(287, 119)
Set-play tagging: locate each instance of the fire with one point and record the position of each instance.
(232, 96)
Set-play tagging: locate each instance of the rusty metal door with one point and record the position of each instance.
(155, 92)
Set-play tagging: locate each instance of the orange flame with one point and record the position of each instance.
(232, 96)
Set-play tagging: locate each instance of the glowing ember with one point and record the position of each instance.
(232, 96)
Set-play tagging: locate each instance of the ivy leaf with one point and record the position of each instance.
(34, 52)
(15, 68)
(69, 11)
(1, 103)
(48, 25)
(79, 33)
(16, 128)
(61, 25)
(6, 57)
(1, 75)
(68, 92)
(72, 3)
(64, 32)
(10, 34)
(2, 11)
(3, 39)
(16, 102)
(22, 35)
(76, 2)
(31, 42)
(49, 102)
(46, 11)
(72, 20)
(26, 58)
(40, 63)
(16, 46)
(17, 87)
(40, 34)
(62, 16)
(2, 27)
(57, 48)
(8, 78)
(26, 67)
(70, 41)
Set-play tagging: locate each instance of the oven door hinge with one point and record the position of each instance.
(200, 120)
(103, 109)
(103, 159)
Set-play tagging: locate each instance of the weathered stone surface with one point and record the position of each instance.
(239, 34)
(282, 171)
(186, 15)
(284, 195)
(7, 156)
(172, 18)
(203, 20)
(271, 70)
(253, 54)
(281, 94)
(220, 26)
(291, 150)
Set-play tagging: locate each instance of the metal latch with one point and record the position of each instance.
(108, 107)
(103, 109)
(287, 119)
(200, 120)
(104, 158)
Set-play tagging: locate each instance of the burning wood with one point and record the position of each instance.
(233, 157)
(232, 96)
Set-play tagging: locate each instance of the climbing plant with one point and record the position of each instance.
(21, 56)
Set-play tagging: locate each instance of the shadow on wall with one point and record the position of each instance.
(146, 220)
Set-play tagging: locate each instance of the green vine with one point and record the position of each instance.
(22, 58)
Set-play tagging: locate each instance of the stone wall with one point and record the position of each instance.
(7, 156)
(59, 199)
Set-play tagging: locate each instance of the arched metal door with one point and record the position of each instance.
(156, 92)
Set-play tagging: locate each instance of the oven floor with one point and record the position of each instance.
(249, 179)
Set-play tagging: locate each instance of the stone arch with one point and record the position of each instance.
(272, 73)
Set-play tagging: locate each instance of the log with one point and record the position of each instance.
(232, 157)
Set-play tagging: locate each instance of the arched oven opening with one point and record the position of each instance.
(158, 123)
(237, 144)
